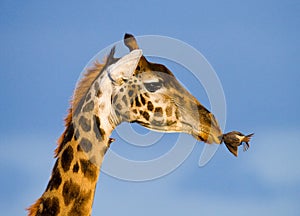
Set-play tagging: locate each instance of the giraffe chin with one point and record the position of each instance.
(207, 135)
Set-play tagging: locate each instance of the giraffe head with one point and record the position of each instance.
(151, 96)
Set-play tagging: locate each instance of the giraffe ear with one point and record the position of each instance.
(130, 42)
(124, 68)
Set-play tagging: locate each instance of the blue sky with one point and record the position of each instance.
(253, 47)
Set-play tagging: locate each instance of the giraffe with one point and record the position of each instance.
(128, 89)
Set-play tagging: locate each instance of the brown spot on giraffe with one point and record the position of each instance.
(137, 102)
(119, 106)
(75, 168)
(65, 138)
(88, 169)
(96, 87)
(98, 93)
(88, 107)
(50, 207)
(67, 158)
(158, 112)
(76, 135)
(143, 100)
(80, 204)
(146, 115)
(124, 99)
(115, 99)
(88, 97)
(97, 129)
(79, 149)
(169, 111)
(85, 145)
(56, 178)
(85, 123)
(150, 106)
(70, 192)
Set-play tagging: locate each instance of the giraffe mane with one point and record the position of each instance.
(82, 88)
(32, 210)
(85, 83)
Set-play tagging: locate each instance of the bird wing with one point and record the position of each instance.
(232, 149)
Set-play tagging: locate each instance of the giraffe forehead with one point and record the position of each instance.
(149, 77)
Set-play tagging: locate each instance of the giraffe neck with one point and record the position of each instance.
(71, 188)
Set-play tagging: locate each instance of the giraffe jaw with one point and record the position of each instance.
(205, 134)
(208, 138)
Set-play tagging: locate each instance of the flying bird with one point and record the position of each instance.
(234, 139)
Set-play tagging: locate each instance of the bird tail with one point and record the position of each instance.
(247, 138)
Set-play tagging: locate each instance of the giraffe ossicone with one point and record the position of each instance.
(127, 89)
(123, 69)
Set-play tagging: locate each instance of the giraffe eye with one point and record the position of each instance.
(153, 86)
